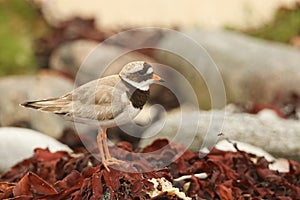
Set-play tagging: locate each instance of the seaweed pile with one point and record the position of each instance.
(229, 175)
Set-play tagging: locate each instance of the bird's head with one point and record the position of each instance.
(139, 74)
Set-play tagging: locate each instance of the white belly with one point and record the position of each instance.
(128, 114)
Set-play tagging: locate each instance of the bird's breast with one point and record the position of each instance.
(138, 98)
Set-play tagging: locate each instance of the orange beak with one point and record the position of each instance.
(157, 78)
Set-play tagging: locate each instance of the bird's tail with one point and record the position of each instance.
(54, 105)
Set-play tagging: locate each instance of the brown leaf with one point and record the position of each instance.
(32, 185)
(6, 189)
(46, 155)
(224, 192)
(97, 186)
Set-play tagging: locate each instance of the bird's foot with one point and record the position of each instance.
(111, 161)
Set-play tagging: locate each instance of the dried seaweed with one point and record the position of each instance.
(231, 175)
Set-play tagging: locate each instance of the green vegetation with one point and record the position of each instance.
(285, 25)
(19, 24)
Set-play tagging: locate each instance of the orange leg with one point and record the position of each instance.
(109, 160)
(106, 150)
(100, 146)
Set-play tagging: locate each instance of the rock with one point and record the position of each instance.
(17, 144)
(70, 55)
(88, 60)
(274, 135)
(252, 69)
(19, 89)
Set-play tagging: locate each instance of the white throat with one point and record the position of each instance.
(144, 85)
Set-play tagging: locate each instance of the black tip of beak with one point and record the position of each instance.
(161, 80)
(157, 78)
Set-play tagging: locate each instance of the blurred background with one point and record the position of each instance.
(254, 43)
(24, 24)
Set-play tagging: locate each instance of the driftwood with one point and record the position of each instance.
(275, 135)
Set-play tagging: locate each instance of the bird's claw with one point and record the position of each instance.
(111, 161)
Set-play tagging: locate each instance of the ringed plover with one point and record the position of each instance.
(105, 102)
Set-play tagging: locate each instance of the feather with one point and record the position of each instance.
(55, 105)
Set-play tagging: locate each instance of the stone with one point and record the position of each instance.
(19, 89)
(17, 144)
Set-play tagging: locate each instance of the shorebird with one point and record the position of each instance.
(106, 102)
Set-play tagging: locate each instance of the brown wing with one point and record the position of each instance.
(99, 99)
